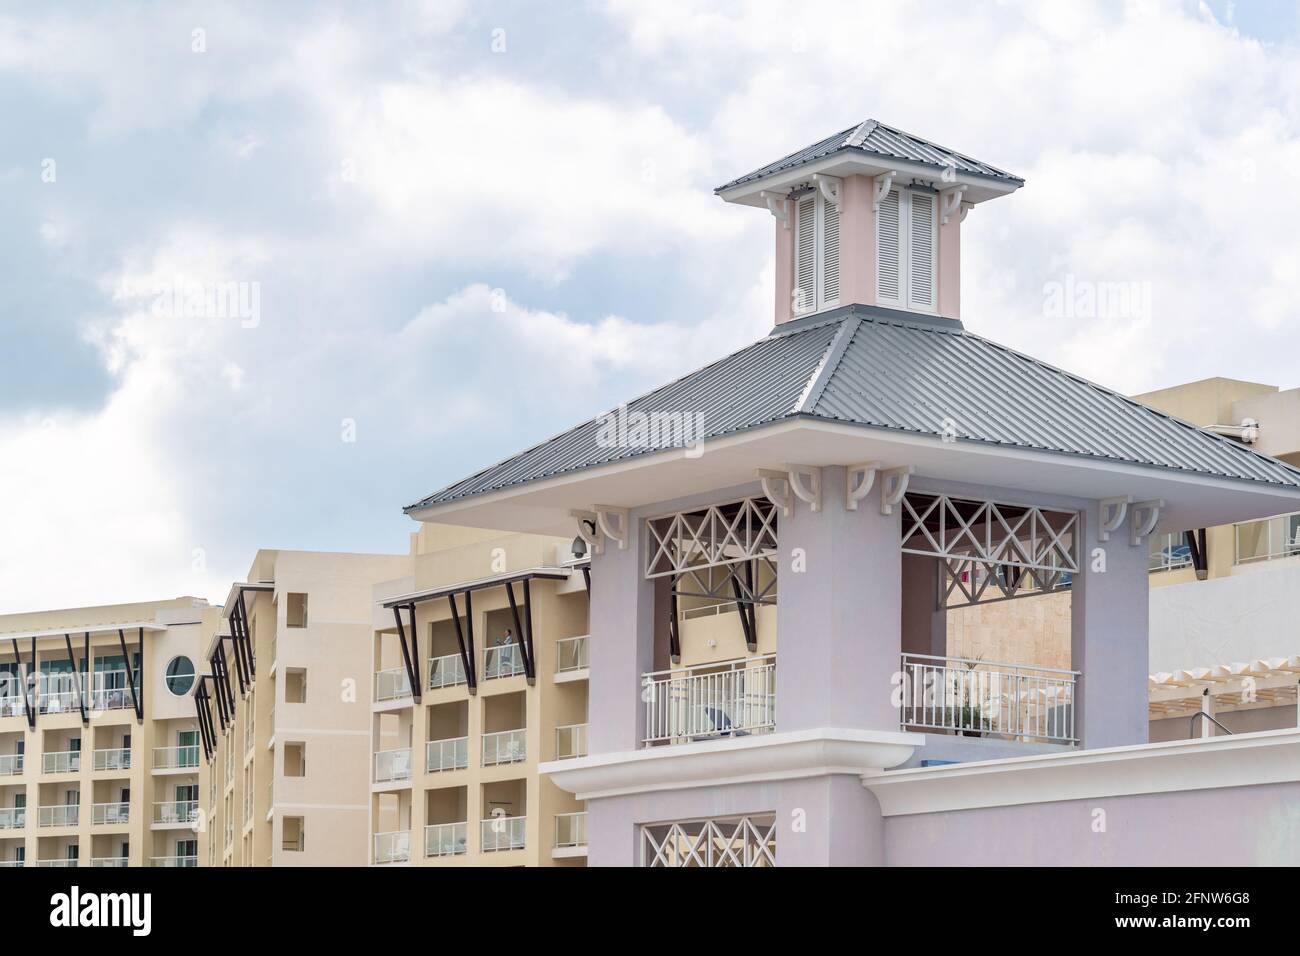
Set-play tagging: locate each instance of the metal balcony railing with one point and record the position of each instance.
(110, 690)
(176, 758)
(392, 684)
(1267, 539)
(446, 671)
(11, 705)
(446, 839)
(109, 861)
(102, 814)
(111, 758)
(393, 765)
(987, 699)
(506, 746)
(11, 765)
(449, 754)
(731, 698)
(61, 761)
(570, 741)
(394, 847)
(502, 661)
(60, 862)
(13, 818)
(571, 654)
(58, 815)
(502, 833)
(570, 830)
(170, 812)
(169, 861)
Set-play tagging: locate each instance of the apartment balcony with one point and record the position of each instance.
(976, 698)
(59, 862)
(110, 861)
(571, 659)
(394, 847)
(506, 746)
(63, 761)
(570, 741)
(392, 684)
(446, 839)
(175, 813)
(449, 754)
(58, 815)
(111, 690)
(392, 766)
(111, 758)
(176, 758)
(729, 699)
(110, 814)
(62, 701)
(7, 864)
(570, 835)
(1267, 540)
(502, 833)
(11, 705)
(446, 671)
(169, 861)
(13, 818)
(11, 765)
(503, 661)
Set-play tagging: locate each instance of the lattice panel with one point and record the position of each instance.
(716, 536)
(734, 842)
(992, 534)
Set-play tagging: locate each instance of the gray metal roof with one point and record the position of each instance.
(875, 138)
(873, 368)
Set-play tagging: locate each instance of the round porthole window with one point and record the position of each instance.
(180, 676)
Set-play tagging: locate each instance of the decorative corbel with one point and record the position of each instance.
(830, 187)
(778, 206)
(810, 492)
(884, 182)
(858, 481)
(1111, 516)
(893, 485)
(965, 208)
(768, 478)
(1145, 515)
(589, 531)
(617, 530)
(950, 202)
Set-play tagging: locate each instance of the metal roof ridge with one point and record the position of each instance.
(830, 361)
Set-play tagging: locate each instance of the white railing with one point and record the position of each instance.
(13, 818)
(391, 765)
(62, 761)
(60, 701)
(61, 862)
(393, 847)
(502, 661)
(1169, 552)
(570, 829)
(110, 690)
(11, 765)
(112, 758)
(502, 833)
(506, 746)
(1267, 539)
(446, 671)
(570, 741)
(112, 861)
(392, 684)
(733, 698)
(176, 811)
(59, 815)
(570, 654)
(110, 813)
(10, 863)
(449, 754)
(446, 839)
(174, 861)
(175, 758)
(11, 705)
(987, 699)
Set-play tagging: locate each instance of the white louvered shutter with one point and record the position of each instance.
(889, 280)
(920, 271)
(805, 254)
(830, 252)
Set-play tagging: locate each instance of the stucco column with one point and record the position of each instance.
(839, 613)
(1108, 639)
(621, 646)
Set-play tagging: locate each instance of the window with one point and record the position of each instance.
(906, 241)
(816, 253)
(296, 613)
(180, 676)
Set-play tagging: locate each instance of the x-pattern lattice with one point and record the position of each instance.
(739, 842)
(966, 581)
(991, 534)
(716, 536)
(749, 583)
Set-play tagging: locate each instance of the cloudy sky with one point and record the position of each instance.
(457, 228)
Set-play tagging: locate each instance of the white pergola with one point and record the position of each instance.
(1267, 682)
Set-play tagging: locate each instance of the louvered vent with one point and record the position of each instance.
(805, 277)
(921, 271)
(830, 253)
(887, 248)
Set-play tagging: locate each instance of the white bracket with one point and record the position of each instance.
(1145, 515)
(858, 480)
(893, 485)
(884, 182)
(830, 187)
(950, 202)
(965, 208)
(617, 530)
(806, 483)
(591, 535)
(1112, 515)
(768, 478)
(778, 206)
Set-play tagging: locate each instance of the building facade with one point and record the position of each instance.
(99, 742)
